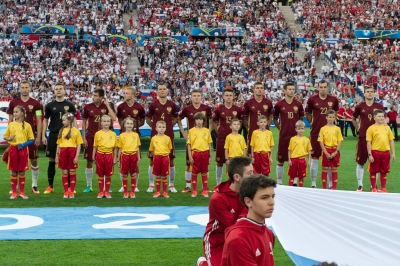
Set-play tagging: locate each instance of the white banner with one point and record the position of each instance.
(349, 228)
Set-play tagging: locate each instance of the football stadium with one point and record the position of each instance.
(199, 132)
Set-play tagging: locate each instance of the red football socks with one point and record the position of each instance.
(324, 177)
(204, 180)
(158, 185)
(108, 183)
(125, 183)
(383, 180)
(194, 182)
(372, 178)
(133, 183)
(64, 180)
(72, 180)
(14, 181)
(164, 184)
(22, 183)
(101, 185)
(334, 178)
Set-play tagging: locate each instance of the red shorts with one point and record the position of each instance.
(261, 163)
(334, 162)
(298, 168)
(129, 163)
(316, 148)
(282, 155)
(18, 159)
(104, 164)
(361, 151)
(200, 162)
(88, 155)
(33, 151)
(66, 158)
(160, 165)
(220, 154)
(381, 162)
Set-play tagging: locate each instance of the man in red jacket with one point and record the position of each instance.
(224, 210)
(249, 242)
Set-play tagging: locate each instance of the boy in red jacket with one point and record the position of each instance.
(225, 208)
(249, 242)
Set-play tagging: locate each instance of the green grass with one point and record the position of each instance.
(138, 251)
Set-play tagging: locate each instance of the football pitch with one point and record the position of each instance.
(178, 251)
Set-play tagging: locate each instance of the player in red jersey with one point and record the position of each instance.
(34, 118)
(224, 210)
(286, 113)
(130, 108)
(249, 241)
(255, 107)
(188, 112)
(164, 110)
(317, 106)
(92, 113)
(365, 113)
(221, 122)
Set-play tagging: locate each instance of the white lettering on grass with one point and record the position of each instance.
(125, 224)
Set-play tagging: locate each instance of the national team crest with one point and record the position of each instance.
(295, 108)
(330, 104)
(30, 107)
(103, 111)
(66, 108)
(169, 109)
(135, 112)
(265, 107)
(203, 112)
(234, 113)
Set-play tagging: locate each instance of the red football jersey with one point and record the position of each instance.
(189, 111)
(223, 116)
(318, 107)
(165, 112)
(136, 111)
(366, 115)
(93, 114)
(288, 115)
(255, 242)
(254, 109)
(31, 106)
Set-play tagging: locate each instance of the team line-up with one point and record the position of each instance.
(26, 131)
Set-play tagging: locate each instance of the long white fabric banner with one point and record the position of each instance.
(349, 228)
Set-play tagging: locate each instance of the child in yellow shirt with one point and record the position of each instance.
(160, 148)
(262, 143)
(330, 138)
(299, 148)
(234, 142)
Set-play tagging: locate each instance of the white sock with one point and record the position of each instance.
(171, 176)
(151, 176)
(279, 174)
(89, 176)
(360, 174)
(314, 171)
(219, 175)
(188, 178)
(35, 175)
(296, 179)
(329, 177)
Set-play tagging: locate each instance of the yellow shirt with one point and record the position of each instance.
(380, 137)
(330, 136)
(129, 142)
(199, 139)
(262, 141)
(21, 135)
(105, 142)
(73, 141)
(299, 147)
(161, 145)
(235, 144)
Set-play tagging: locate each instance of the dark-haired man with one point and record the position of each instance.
(249, 241)
(224, 210)
(92, 113)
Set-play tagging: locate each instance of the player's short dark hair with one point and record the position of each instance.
(251, 184)
(200, 115)
(378, 111)
(160, 84)
(233, 120)
(60, 84)
(258, 84)
(24, 81)
(323, 81)
(100, 92)
(330, 112)
(237, 165)
(261, 117)
(369, 87)
(195, 91)
(287, 84)
(228, 90)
